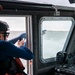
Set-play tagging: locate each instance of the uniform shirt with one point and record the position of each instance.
(8, 49)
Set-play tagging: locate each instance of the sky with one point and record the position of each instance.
(15, 23)
(19, 24)
(55, 2)
(57, 25)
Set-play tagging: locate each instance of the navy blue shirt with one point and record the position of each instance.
(20, 37)
(8, 49)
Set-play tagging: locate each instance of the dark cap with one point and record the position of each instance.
(4, 26)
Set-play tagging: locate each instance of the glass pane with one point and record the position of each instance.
(53, 35)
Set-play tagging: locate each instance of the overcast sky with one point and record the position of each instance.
(15, 23)
(57, 25)
(55, 2)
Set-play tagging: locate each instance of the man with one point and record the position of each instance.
(8, 50)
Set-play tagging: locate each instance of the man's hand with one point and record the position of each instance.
(21, 43)
(21, 36)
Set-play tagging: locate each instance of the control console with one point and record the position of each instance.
(65, 64)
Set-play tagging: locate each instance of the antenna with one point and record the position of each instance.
(72, 1)
(1, 7)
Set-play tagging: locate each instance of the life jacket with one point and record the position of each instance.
(11, 66)
(19, 63)
(17, 67)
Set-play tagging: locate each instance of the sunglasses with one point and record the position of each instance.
(6, 34)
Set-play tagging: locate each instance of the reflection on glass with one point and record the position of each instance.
(53, 35)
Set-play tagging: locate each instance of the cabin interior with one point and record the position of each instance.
(50, 33)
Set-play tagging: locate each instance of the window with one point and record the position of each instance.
(55, 33)
(17, 25)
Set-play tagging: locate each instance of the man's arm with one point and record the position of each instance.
(14, 40)
(7, 48)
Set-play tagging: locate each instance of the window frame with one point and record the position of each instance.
(53, 59)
